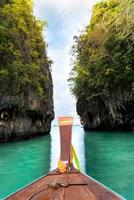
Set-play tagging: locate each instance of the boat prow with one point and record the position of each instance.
(65, 186)
(65, 182)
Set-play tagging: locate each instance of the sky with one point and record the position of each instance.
(65, 19)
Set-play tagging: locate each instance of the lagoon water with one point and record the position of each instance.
(106, 156)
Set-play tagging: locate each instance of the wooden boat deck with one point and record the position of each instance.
(72, 186)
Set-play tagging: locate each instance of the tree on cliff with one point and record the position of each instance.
(104, 52)
(22, 49)
(26, 89)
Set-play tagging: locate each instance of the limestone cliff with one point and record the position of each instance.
(26, 115)
(26, 88)
(113, 111)
(102, 78)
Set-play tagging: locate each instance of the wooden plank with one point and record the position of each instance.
(78, 189)
(79, 193)
(65, 142)
(50, 194)
(101, 192)
(65, 125)
(58, 194)
(27, 191)
(75, 179)
(40, 195)
(37, 186)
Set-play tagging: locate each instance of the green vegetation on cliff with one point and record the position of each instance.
(26, 88)
(22, 49)
(105, 51)
(103, 73)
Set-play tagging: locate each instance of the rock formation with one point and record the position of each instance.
(26, 115)
(112, 112)
(26, 88)
(102, 78)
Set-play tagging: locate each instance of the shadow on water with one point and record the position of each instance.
(23, 162)
(110, 160)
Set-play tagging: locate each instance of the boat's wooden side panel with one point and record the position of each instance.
(79, 193)
(49, 195)
(29, 190)
(77, 189)
(101, 192)
(38, 186)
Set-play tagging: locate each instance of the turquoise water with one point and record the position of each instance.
(23, 162)
(110, 160)
(108, 157)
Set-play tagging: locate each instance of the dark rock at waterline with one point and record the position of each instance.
(113, 111)
(27, 114)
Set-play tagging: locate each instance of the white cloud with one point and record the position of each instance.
(72, 16)
(62, 4)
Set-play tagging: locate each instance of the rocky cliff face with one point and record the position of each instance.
(27, 114)
(102, 78)
(26, 89)
(112, 112)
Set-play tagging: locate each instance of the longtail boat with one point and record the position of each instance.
(66, 182)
